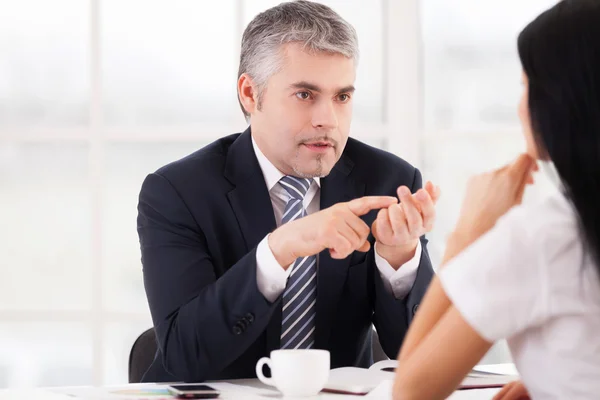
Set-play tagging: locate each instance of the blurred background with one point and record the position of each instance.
(95, 94)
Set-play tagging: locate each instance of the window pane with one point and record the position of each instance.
(45, 354)
(127, 166)
(119, 338)
(46, 226)
(45, 62)
(366, 17)
(472, 71)
(169, 62)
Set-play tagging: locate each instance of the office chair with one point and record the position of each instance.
(141, 355)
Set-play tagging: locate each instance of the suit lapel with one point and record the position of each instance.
(251, 203)
(250, 198)
(337, 187)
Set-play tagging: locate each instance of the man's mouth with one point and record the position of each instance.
(319, 146)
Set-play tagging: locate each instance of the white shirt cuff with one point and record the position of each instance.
(400, 281)
(271, 278)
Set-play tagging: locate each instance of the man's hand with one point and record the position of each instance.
(398, 228)
(337, 228)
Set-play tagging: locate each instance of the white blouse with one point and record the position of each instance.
(529, 280)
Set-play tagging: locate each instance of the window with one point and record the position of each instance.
(44, 73)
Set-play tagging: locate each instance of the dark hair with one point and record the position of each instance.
(560, 53)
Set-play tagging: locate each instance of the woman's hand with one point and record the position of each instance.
(513, 391)
(491, 195)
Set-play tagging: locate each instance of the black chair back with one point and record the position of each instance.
(141, 355)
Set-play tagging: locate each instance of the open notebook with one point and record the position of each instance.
(362, 381)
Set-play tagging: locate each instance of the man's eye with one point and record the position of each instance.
(303, 95)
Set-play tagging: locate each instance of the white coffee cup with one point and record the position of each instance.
(296, 373)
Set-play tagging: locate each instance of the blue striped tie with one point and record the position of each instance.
(300, 295)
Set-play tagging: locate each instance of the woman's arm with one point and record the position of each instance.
(441, 347)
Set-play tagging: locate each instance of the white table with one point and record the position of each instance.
(458, 395)
(247, 389)
(227, 393)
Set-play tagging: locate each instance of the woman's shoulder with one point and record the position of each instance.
(549, 231)
(544, 231)
(542, 216)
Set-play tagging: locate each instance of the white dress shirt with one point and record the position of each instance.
(531, 281)
(272, 278)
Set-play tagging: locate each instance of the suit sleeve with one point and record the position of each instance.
(392, 316)
(202, 323)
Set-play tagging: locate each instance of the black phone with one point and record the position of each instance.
(193, 392)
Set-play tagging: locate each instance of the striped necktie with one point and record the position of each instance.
(300, 295)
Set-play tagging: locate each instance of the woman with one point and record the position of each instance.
(530, 274)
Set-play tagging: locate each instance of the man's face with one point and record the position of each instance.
(303, 122)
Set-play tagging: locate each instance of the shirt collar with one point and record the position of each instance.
(271, 174)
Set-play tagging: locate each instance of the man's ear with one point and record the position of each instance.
(247, 93)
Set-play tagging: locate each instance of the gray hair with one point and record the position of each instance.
(317, 27)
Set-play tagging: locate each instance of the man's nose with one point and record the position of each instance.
(324, 116)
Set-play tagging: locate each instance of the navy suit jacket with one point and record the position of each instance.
(200, 220)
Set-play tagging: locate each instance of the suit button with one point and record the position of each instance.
(415, 308)
(250, 317)
(238, 329)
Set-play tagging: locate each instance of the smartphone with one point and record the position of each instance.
(193, 392)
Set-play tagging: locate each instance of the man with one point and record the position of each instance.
(263, 240)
